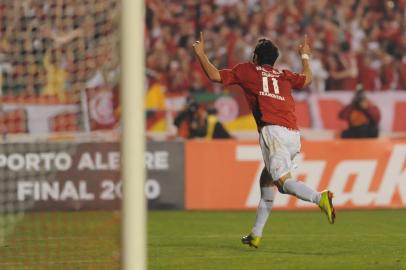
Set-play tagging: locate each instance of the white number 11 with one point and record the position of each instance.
(265, 85)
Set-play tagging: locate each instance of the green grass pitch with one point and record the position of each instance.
(181, 240)
(60, 241)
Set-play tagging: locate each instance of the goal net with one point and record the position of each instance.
(60, 188)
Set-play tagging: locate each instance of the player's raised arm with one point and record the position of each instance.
(210, 70)
(305, 51)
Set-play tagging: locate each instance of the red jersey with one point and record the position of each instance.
(268, 92)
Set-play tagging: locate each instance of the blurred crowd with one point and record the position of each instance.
(353, 41)
(57, 47)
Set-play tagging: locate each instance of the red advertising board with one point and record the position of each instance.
(361, 173)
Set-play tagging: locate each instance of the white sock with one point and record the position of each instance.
(301, 191)
(263, 210)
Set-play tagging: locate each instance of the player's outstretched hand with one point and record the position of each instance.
(198, 46)
(304, 48)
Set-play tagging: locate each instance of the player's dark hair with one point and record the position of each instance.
(265, 52)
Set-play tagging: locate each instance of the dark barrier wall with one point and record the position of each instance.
(60, 176)
(85, 176)
(164, 187)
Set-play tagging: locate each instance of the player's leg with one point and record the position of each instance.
(288, 185)
(284, 144)
(263, 210)
(266, 202)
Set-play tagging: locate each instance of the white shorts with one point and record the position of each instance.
(279, 146)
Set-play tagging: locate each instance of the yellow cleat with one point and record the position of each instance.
(251, 240)
(326, 205)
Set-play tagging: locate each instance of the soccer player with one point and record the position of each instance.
(268, 92)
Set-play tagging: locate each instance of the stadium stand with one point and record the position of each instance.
(354, 42)
(365, 38)
(52, 51)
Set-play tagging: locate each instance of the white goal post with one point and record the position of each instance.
(132, 147)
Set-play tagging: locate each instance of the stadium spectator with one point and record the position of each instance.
(320, 73)
(155, 97)
(389, 74)
(369, 74)
(343, 68)
(55, 74)
(362, 116)
(5, 67)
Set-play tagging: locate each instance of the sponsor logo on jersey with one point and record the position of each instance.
(272, 95)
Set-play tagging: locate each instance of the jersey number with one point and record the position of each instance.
(265, 85)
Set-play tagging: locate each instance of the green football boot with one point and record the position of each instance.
(251, 240)
(326, 205)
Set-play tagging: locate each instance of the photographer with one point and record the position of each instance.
(191, 121)
(362, 116)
